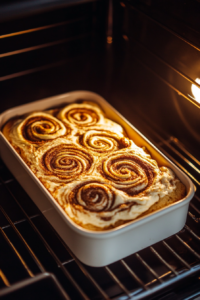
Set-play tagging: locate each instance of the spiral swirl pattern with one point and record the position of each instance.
(128, 172)
(103, 141)
(92, 196)
(81, 115)
(38, 128)
(98, 176)
(66, 162)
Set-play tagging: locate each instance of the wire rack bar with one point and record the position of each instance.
(167, 142)
(192, 232)
(139, 281)
(38, 263)
(187, 26)
(17, 253)
(81, 266)
(194, 218)
(176, 255)
(43, 45)
(180, 21)
(149, 268)
(166, 63)
(188, 247)
(29, 281)
(196, 197)
(171, 157)
(165, 81)
(40, 28)
(3, 277)
(33, 70)
(87, 274)
(180, 166)
(194, 207)
(179, 144)
(67, 261)
(163, 261)
(183, 157)
(123, 288)
(168, 284)
(57, 260)
(18, 222)
(166, 28)
(8, 181)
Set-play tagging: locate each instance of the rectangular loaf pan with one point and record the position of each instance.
(104, 247)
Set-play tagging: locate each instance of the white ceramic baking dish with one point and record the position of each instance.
(97, 248)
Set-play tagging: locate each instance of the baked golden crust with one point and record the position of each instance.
(97, 174)
(174, 196)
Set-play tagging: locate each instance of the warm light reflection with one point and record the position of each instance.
(196, 90)
(109, 39)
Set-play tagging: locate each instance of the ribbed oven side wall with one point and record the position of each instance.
(159, 42)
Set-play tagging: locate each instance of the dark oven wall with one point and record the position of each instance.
(143, 57)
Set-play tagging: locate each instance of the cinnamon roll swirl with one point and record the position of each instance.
(103, 141)
(129, 172)
(64, 163)
(92, 196)
(81, 115)
(37, 129)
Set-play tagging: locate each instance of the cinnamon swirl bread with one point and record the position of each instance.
(97, 174)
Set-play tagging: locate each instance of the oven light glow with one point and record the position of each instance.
(196, 90)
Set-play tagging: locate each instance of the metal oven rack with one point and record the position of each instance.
(34, 258)
(34, 261)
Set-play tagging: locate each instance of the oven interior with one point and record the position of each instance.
(143, 57)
